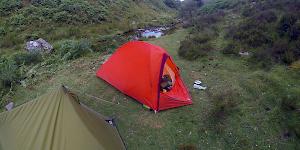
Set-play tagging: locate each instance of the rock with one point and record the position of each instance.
(39, 46)
(9, 106)
(242, 53)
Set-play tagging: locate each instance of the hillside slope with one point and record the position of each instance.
(55, 20)
(73, 27)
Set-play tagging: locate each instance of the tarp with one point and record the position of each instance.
(136, 69)
(56, 121)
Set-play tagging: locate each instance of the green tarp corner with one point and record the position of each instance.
(56, 121)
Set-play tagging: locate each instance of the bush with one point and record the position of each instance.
(195, 47)
(108, 42)
(251, 33)
(172, 3)
(190, 8)
(267, 16)
(294, 34)
(64, 17)
(231, 49)
(52, 3)
(18, 20)
(262, 58)
(81, 11)
(63, 12)
(206, 20)
(31, 37)
(286, 23)
(9, 72)
(2, 31)
(71, 49)
(291, 106)
(247, 12)
(27, 58)
(10, 40)
(219, 5)
(9, 6)
(282, 52)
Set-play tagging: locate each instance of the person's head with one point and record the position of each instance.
(167, 77)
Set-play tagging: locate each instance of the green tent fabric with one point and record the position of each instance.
(56, 121)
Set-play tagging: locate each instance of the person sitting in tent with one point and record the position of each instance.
(166, 83)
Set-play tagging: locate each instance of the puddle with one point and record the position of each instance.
(150, 34)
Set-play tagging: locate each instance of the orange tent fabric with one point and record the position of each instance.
(136, 69)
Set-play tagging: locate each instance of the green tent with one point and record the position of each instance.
(57, 121)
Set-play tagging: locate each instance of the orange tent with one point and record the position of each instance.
(136, 69)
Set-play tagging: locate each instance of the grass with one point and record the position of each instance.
(123, 15)
(247, 125)
(241, 109)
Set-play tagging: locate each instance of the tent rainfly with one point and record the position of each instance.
(137, 68)
(57, 121)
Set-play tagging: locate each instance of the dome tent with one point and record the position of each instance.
(57, 121)
(136, 69)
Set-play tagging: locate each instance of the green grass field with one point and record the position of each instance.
(239, 110)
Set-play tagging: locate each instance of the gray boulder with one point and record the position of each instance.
(39, 46)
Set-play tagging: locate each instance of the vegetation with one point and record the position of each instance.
(252, 101)
(76, 28)
(71, 49)
(270, 33)
(195, 47)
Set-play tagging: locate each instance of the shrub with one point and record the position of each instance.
(251, 33)
(10, 40)
(294, 34)
(71, 49)
(281, 51)
(291, 106)
(83, 11)
(230, 49)
(27, 58)
(219, 5)
(52, 3)
(64, 17)
(262, 58)
(37, 15)
(288, 57)
(73, 32)
(31, 37)
(194, 47)
(207, 20)
(286, 23)
(2, 31)
(108, 42)
(267, 16)
(9, 6)
(189, 8)
(17, 20)
(247, 12)
(9, 72)
(172, 3)
(62, 12)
